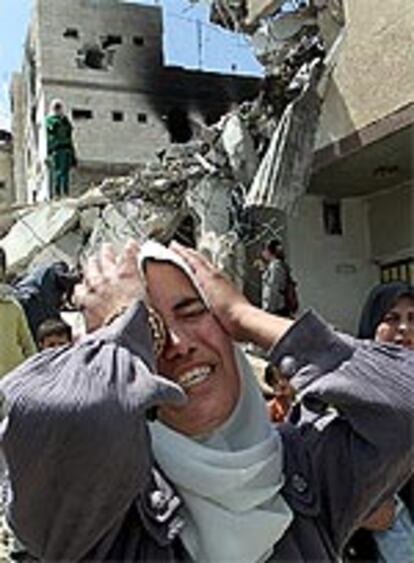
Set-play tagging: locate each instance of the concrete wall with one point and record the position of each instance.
(127, 63)
(391, 224)
(18, 130)
(100, 138)
(6, 174)
(334, 272)
(374, 75)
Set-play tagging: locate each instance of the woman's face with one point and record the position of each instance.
(397, 326)
(198, 355)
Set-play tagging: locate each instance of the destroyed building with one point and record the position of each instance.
(354, 227)
(322, 157)
(105, 61)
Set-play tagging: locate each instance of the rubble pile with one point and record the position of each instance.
(194, 179)
(257, 156)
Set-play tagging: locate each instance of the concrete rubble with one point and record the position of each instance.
(35, 231)
(259, 156)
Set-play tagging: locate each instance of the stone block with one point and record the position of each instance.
(34, 231)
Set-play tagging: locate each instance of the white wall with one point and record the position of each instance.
(374, 76)
(334, 272)
(391, 223)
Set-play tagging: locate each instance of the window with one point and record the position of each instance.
(92, 56)
(110, 40)
(71, 33)
(138, 41)
(401, 270)
(332, 217)
(179, 125)
(79, 114)
(2, 185)
(142, 118)
(118, 116)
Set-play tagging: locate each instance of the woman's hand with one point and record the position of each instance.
(225, 300)
(242, 320)
(110, 284)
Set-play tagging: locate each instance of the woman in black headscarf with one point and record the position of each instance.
(382, 300)
(387, 316)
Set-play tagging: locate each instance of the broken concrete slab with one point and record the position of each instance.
(35, 230)
(88, 218)
(226, 252)
(284, 172)
(277, 51)
(239, 147)
(135, 219)
(210, 200)
(331, 19)
(257, 9)
(66, 248)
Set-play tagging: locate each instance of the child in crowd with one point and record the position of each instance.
(53, 333)
(279, 406)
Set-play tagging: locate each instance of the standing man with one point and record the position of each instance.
(16, 342)
(278, 288)
(60, 149)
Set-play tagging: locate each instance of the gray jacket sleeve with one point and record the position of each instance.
(75, 439)
(359, 438)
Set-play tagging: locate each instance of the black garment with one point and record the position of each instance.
(379, 302)
(42, 291)
(407, 496)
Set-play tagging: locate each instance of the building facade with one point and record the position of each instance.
(6, 169)
(355, 226)
(104, 60)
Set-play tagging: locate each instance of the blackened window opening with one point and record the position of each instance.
(110, 40)
(117, 116)
(332, 217)
(82, 114)
(179, 126)
(93, 57)
(138, 41)
(71, 33)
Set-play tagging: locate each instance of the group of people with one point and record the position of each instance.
(30, 319)
(149, 439)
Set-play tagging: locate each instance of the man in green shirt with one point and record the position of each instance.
(60, 149)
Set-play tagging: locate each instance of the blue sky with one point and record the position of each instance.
(190, 40)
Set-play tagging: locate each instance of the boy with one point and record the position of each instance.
(53, 333)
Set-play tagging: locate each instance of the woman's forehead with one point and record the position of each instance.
(404, 301)
(168, 278)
